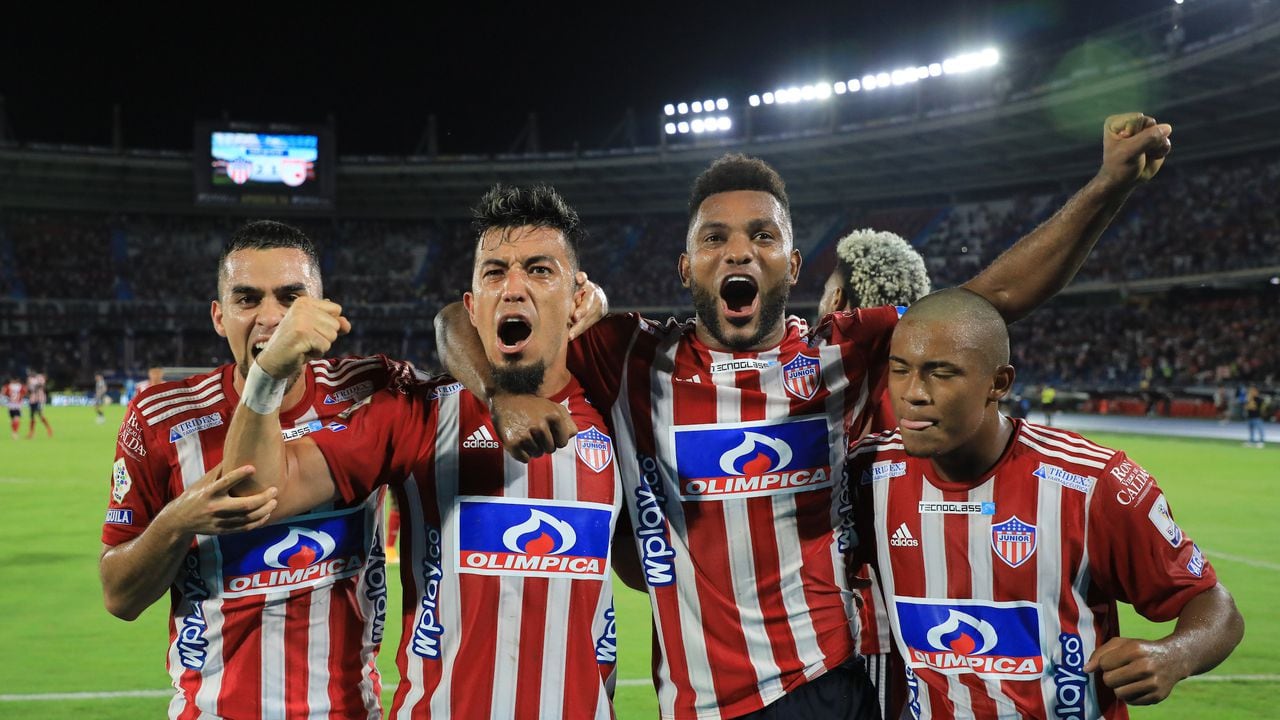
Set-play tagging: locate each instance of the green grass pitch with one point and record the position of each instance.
(56, 638)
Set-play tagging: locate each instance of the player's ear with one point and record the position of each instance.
(683, 268)
(1001, 383)
(215, 312)
(796, 261)
(468, 302)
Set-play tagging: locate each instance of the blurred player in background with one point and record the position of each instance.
(14, 392)
(36, 399)
(508, 603)
(155, 376)
(737, 424)
(266, 621)
(1048, 402)
(875, 268)
(99, 396)
(1253, 413)
(1003, 545)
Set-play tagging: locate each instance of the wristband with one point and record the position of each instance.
(262, 393)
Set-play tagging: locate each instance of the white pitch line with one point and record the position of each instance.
(1234, 678)
(628, 682)
(86, 695)
(1263, 564)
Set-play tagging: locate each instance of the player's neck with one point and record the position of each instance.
(970, 463)
(555, 380)
(769, 342)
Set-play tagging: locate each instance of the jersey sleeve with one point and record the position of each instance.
(1139, 553)
(381, 443)
(863, 337)
(140, 481)
(856, 506)
(597, 357)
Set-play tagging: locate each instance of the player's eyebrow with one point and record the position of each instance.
(523, 262)
(296, 288)
(245, 290)
(928, 364)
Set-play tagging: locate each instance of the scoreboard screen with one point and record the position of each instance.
(269, 166)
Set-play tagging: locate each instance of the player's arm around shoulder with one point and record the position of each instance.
(1165, 575)
(529, 426)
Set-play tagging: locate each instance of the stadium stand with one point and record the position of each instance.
(1177, 297)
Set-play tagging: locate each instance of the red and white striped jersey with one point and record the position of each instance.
(36, 389)
(508, 602)
(1001, 591)
(876, 637)
(279, 622)
(730, 468)
(13, 394)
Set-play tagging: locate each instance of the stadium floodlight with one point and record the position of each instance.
(968, 62)
(669, 109)
(708, 105)
(724, 123)
(696, 125)
(963, 63)
(683, 127)
(670, 128)
(722, 104)
(683, 108)
(696, 106)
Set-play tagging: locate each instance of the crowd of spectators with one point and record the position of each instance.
(1156, 341)
(1210, 218)
(395, 275)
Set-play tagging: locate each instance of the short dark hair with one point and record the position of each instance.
(735, 171)
(507, 207)
(268, 235)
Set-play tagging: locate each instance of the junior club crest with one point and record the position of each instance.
(1013, 541)
(595, 449)
(802, 376)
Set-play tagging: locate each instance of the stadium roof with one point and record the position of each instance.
(1219, 86)
(480, 70)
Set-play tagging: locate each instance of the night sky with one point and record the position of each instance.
(481, 72)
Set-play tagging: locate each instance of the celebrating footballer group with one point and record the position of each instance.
(770, 485)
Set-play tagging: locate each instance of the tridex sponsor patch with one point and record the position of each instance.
(200, 424)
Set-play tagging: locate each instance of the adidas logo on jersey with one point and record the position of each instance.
(902, 537)
(480, 439)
